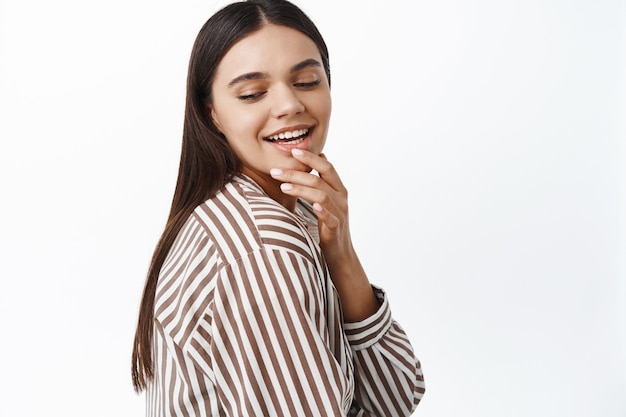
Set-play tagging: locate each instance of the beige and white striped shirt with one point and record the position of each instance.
(248, 323)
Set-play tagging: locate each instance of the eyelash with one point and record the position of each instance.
(308, 85)
(254, 96)
(249, 97)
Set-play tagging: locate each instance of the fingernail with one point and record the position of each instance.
(297, 152)
(317, 207)
(285, 186)
(275, 172)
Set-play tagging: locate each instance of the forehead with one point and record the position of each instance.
(271, 49)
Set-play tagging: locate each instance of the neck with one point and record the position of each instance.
(272, 188)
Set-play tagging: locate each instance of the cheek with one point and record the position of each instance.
(242, 134)
(241, 125)
(323, 106)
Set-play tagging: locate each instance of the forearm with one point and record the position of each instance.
(358, 301)
(388, 374)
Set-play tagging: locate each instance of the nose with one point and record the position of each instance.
(286, 102)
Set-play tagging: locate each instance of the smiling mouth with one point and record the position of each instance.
(293, 137)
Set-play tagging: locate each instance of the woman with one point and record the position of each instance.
(256, 303)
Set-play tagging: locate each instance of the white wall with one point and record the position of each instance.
(483, 143)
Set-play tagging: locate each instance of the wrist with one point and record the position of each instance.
(357, 296)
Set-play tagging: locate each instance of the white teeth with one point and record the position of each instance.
(294, 142)
(289, 135)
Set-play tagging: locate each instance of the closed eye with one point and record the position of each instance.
(253, 96)
(308, 85)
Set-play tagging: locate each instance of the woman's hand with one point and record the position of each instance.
(329, 198)
(330, 201)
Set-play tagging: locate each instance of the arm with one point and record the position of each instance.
(266, 349)
(330, 202)
(389, 375)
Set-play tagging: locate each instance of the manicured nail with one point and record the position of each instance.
(297, 152)
(317, 207)
(275, 172)
(285, 186)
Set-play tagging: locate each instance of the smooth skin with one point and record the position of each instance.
(330, 201)
(272, 81)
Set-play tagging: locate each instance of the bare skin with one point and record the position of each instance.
(330, 202)
(271, 82)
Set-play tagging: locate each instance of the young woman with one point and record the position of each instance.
(256, 303)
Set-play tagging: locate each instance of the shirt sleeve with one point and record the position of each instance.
(264, 341)
(389, 379)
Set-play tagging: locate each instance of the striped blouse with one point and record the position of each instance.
(248, 323)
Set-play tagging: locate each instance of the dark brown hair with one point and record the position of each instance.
(207, 163)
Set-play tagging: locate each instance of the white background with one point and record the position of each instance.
(483, 143)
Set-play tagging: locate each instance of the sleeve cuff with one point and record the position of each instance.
(365, 333)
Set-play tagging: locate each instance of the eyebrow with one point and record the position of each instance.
(304, 64)
(260, 75)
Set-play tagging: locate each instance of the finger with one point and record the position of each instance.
(328, 224)
(300, 178)
(311, 194)
(326, 217)
(319, 163)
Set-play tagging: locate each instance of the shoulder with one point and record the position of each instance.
(228, 221)
(236, 226)
(242, 218)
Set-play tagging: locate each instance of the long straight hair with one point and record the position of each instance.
(207, 162)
